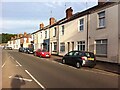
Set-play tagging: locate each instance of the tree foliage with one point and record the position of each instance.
(5, 37)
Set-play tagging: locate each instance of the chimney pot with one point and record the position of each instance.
(101, 2)
(52, 20)
(41, 26)
(69, 12)
(25, 34)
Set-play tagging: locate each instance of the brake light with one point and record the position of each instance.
(84, 58)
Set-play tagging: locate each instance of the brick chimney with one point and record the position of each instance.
(52, 21)
(41, 26)
(25, 34)
(101, 2)
(69, 12)
(20, 35)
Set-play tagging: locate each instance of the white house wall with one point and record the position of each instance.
(110, 32)
(72, 34)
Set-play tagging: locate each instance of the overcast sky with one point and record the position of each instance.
(19, 16)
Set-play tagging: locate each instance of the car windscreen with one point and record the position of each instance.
(44, 50)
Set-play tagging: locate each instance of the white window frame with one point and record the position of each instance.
(81, 45)
(102, 42)
(62, 47)
(54, 43)
(54, 31)
(41, 34)
(101, 19)
(62, 29)
(81, 24)
(45, 34)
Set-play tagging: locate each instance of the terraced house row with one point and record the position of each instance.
(96, 29)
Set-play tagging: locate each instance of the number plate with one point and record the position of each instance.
(90, 58)
(47, 55)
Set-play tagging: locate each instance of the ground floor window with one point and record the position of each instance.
(81, 45)
(62, 47)
(101, 47)
(55, 46)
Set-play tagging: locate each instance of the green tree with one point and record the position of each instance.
(6, 37)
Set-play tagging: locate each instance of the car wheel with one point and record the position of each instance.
(63, 61)
(78, 65)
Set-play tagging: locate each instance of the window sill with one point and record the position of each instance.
(100, 28)
(54, 51)
(62, 51)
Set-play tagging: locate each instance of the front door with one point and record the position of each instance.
(68, 46)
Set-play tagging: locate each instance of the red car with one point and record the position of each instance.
(42, 53)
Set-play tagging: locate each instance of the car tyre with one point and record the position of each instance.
(63, 61)
(78, 65)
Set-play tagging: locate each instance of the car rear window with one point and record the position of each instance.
(89, 55)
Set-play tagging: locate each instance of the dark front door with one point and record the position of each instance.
(68, 46)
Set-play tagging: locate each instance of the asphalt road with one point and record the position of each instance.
(46, 73)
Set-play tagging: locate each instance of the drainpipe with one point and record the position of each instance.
(87, 31)
(58, 41)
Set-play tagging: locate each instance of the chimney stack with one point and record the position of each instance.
(101, 2)
(25, 34)
(20, 35)
(41, 26)
(69, 12)
(52, 20)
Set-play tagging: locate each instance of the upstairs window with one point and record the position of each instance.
(45, 34)
(101, 16)
(41, 34)
(81, 22)
(62, 31)
(54, 32)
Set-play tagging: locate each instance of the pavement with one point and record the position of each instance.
(106, 66)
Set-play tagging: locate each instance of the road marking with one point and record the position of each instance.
(11, 57)
(35, 80)
(3, 65)
(29, 80)
(61, 64)
(18, 63)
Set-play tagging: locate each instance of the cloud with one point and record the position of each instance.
(50, 5)
(20, 26)
(48, 0)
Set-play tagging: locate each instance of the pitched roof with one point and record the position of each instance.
(88, 11)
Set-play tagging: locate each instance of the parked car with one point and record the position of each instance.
(7, 48)
(30, 50)
(80, 58)
(21, 49)
(42, 53)
(25, 50)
